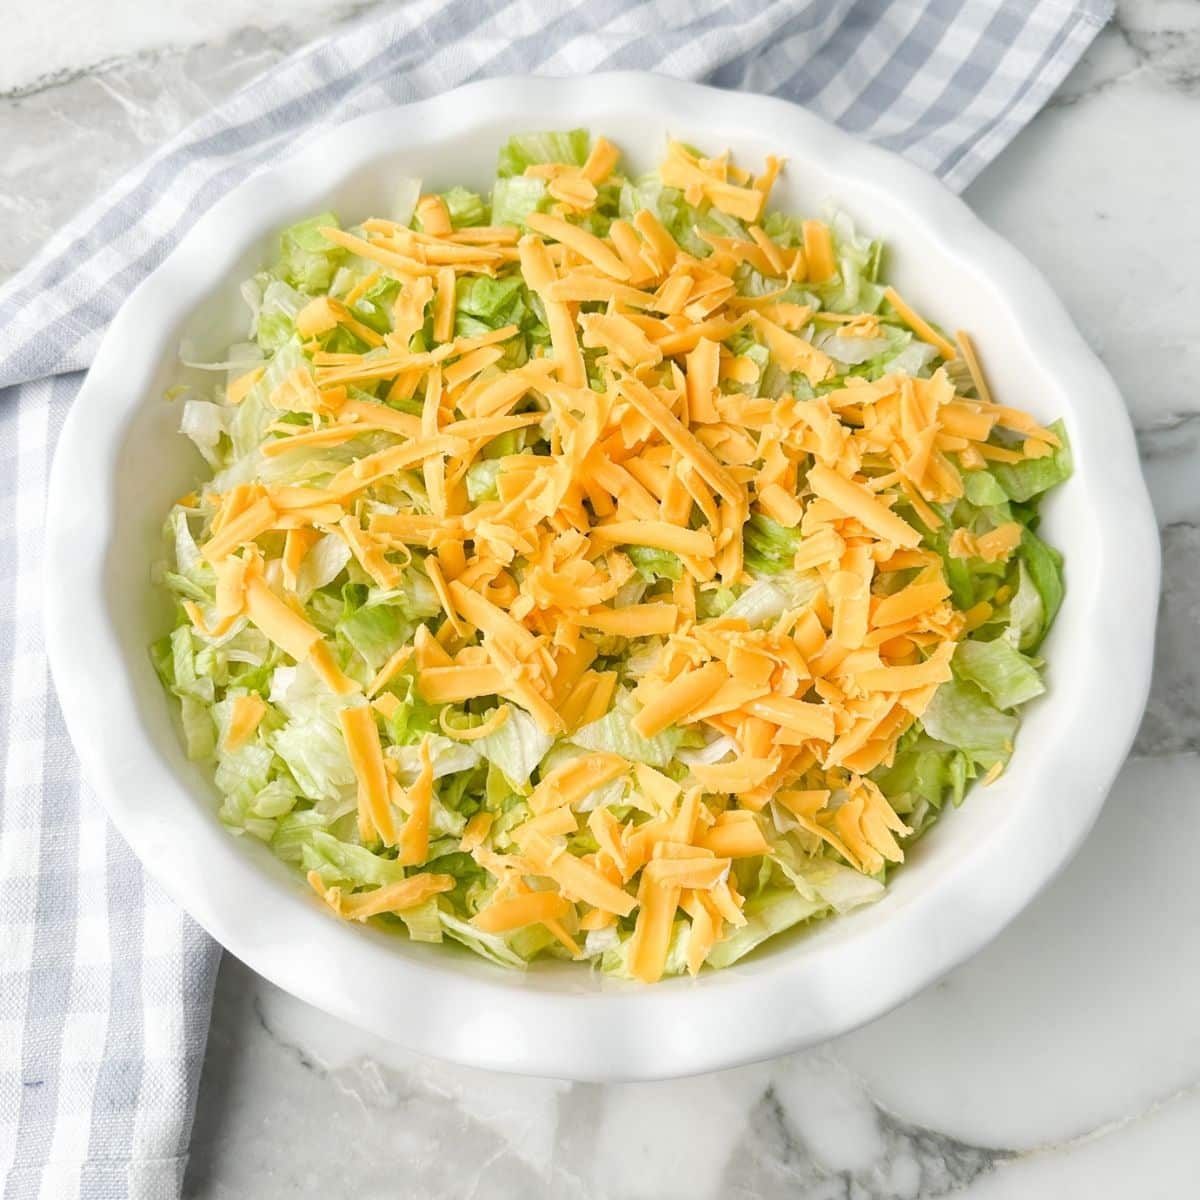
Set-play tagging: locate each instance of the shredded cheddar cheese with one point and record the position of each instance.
(625, 566)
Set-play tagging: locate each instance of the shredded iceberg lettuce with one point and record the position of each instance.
(380, 668)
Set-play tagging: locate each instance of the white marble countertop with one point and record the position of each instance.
(1062, 1062)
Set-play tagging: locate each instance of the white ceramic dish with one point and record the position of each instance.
(120, 463)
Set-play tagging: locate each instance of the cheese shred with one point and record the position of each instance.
(603, 571)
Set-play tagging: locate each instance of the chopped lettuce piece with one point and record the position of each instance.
(343, 864)
(481, 480)
(447, 756)
(295, 830)
(516, 748)
(614, 733)
(315, 753)
(983, 489)
(853, 288)
(821, 880)
(1026, 613)
(491, 301)
(1032, 476)
(767, 914)
(275, 324)
(1044, 565)
(375, 632)
(465, 208)
(242, 773)
(374, 307)
(424, 923)
(307, 259)
(766, 600)
(413, 716)
(922, 773)
(204, 423)
(525, 149)
(200, 734)
(492, 946)
(851, 351)
(655, 564)
(514, 199)
(961, 715)
(1007, 676)
(769, 546)
(323, 563)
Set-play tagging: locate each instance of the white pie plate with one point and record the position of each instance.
(120, 463)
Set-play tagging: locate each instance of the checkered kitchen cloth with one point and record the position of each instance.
(105, 987)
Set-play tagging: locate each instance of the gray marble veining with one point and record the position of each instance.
(1172, 721)
(1165, 39)
(365, 1105)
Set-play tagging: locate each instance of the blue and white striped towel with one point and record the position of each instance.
(105, 987)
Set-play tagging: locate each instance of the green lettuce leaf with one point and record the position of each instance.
(614, 733)
(308, 260)
(769, 546)
(481, 480)
(491, 301)
(766, 600)
(923, 772)
(465, 208)
(189, 680)
(374, 307)
(767, 914)
(275, 324)
(1026, 613)
(514, 199)
(447, 757)
(1044, 565)
(424, 923)
(1005, 674)
(853, 289)
(315, 753)
(310, 741)
(525, 149)
(1032, 476)
(199, 732)
(414, 717)
(983, 489)
(295, 830)
(342, 864)
(375, 633)
(822, 881)
(492, 946)
(655, 564)
(516, 748)
(962, 716)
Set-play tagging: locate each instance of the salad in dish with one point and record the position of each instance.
(611, 568)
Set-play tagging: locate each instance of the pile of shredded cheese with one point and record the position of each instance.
(655, 436)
